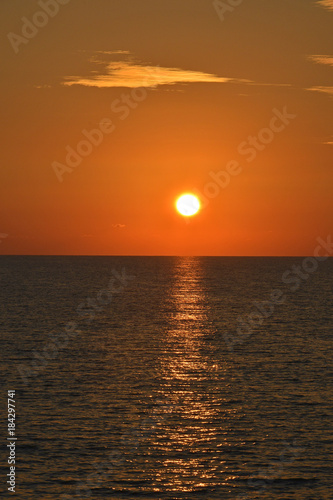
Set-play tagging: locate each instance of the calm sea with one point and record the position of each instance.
(132, 381)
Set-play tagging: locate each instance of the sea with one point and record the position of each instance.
(166, 378)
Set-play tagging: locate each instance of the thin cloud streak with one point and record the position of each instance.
(132, 74)
(326, 3)
(323, 89)
(126, 74)
(268, 84)
(322, 59)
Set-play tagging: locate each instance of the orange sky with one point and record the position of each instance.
(208, 84)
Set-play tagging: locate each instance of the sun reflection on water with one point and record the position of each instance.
(189, 431)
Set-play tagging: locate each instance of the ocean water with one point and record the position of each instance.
(131, 380)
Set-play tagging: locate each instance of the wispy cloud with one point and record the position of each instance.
(322, 59)
(118, 226)
(326, 3)
(128, 74)
(268, 84)
(113, 52)
(323, 89)
(328, 140)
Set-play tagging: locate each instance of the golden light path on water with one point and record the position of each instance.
(194, 402)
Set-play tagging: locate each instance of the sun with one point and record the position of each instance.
(188, 204)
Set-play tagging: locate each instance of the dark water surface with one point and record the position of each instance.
(151, 393)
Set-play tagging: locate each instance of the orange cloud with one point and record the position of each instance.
(323, 89)
(322, 59)
(127, 74)
(326, 3)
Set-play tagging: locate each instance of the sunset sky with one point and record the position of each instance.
(176, 89)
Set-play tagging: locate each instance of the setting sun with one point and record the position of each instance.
(188, 204)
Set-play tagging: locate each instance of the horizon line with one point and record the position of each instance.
(151, 255)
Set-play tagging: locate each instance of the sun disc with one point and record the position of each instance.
(188, 204)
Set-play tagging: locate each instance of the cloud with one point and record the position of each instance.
(327, 61)
(118, 226)
(128, 74)
(326, 3)
(323, 89)
(268, 84)
(112, 52)
(322, 59)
